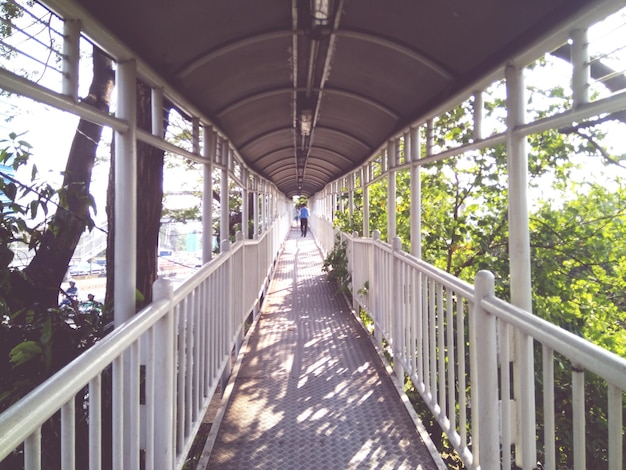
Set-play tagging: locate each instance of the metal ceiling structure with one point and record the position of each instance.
(308, 90)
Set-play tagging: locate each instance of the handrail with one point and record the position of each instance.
(424, 317)
(18, 422)
(585, 354)
(193, 354)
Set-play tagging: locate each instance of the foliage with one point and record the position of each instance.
(35, 341)
(348, 224)
(578, 258)
(336, 265)
(579, 270)
(20, 207)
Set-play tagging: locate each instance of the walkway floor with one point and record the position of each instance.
(311, 391)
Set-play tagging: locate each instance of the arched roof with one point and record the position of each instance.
(255, 67)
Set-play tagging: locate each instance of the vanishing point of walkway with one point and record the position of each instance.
(311, 391)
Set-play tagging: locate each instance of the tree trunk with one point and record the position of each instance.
(149, 205)
(47, 269)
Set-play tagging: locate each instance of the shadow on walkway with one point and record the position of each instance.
(311, 391)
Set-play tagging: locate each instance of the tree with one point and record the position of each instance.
(149, 204)
(44, 274)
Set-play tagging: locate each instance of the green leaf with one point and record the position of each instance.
(24, 352)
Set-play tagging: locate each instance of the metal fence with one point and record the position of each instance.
(464, 351)
(161, 368)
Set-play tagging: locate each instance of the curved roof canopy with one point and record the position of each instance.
(308, 90)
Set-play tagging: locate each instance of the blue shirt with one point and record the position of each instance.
(304, 213)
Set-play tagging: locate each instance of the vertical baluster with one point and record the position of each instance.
(460, 347)
(189, 355)
(182, 363)
(432, 340)
(32, 451)
(441, 346)
(414, 343)
(149, 405)
(419, 302)
(548, 408)
(505, 396)
(133, 374)
(615, 428)
(118, 413)
(95, 423)
(578, 416)
(425, 335)
(451, 410)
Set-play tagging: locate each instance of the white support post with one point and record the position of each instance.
(366, 202)
(416, 193)
(157, 112)
(340, 188)
(245, 212)
(195, 135)
(125, 194)
(164, 408)
(580, 67)
(351, 197)
(478, 115)
(429, 137)
(207, 194)
(263, 209)
(408, 145)
(124, 390)
(71, 57)
(224, 196)
(255, 209)
(519, 252)
(485, 429)
(391, 189)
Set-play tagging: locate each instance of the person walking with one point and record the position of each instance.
(304, 220)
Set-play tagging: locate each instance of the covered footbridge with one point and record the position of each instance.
(320, 99)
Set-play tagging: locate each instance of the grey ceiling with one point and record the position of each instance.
(254, 66)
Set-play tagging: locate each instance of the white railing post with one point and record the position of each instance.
(125, 391)
(239, 315)
(375, 290)
(207, 194)
(397, 314)
(71, 57)
(32, 451)
(164, 406)
(520, 267)
(228, 314)
(224, 194)
(485, 429)
(355, 288)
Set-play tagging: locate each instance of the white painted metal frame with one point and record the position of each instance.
(517, 413)
(426, 316)
(187, 336)
(204, 317)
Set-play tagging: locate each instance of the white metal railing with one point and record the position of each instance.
(169, 359)
(456, 344)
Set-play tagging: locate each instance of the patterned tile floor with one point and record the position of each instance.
(311, 391)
